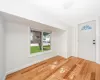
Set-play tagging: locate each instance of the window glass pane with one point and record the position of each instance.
(46, 41)
(36, 44)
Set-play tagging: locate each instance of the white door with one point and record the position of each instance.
(87, 40)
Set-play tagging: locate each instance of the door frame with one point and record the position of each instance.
(96, 52)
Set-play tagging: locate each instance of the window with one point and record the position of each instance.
(40, 41)
(46, 41)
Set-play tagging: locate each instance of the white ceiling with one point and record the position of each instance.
(35, 25)
(79, 11)
(61, 13)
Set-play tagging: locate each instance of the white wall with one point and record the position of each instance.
(98, 40)
(71, 41)
(18, 50)
(59, 42)
(2, 58)
(30, 11)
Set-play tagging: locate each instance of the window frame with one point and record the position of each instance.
(42, 52)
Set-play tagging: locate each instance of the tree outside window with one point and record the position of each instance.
(40, 41)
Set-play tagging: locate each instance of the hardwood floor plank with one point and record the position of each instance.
(36, 71)
(61, 72)
(97, 77)
(59, 68)
(28, 69)
(92, 76)
(50, 71)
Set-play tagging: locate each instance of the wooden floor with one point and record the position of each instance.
(59, 68)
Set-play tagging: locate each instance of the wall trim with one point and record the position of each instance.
(4, 78)
(27, 65)
(97, 40)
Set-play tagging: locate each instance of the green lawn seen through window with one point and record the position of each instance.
(36, 49)
(45, 48)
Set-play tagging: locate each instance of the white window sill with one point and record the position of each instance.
(40, 53)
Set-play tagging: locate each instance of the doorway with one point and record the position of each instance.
(87, 40)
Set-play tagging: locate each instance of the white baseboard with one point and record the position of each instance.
(27, 65)
(98, 62)
(4, 78)
(17, 69)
